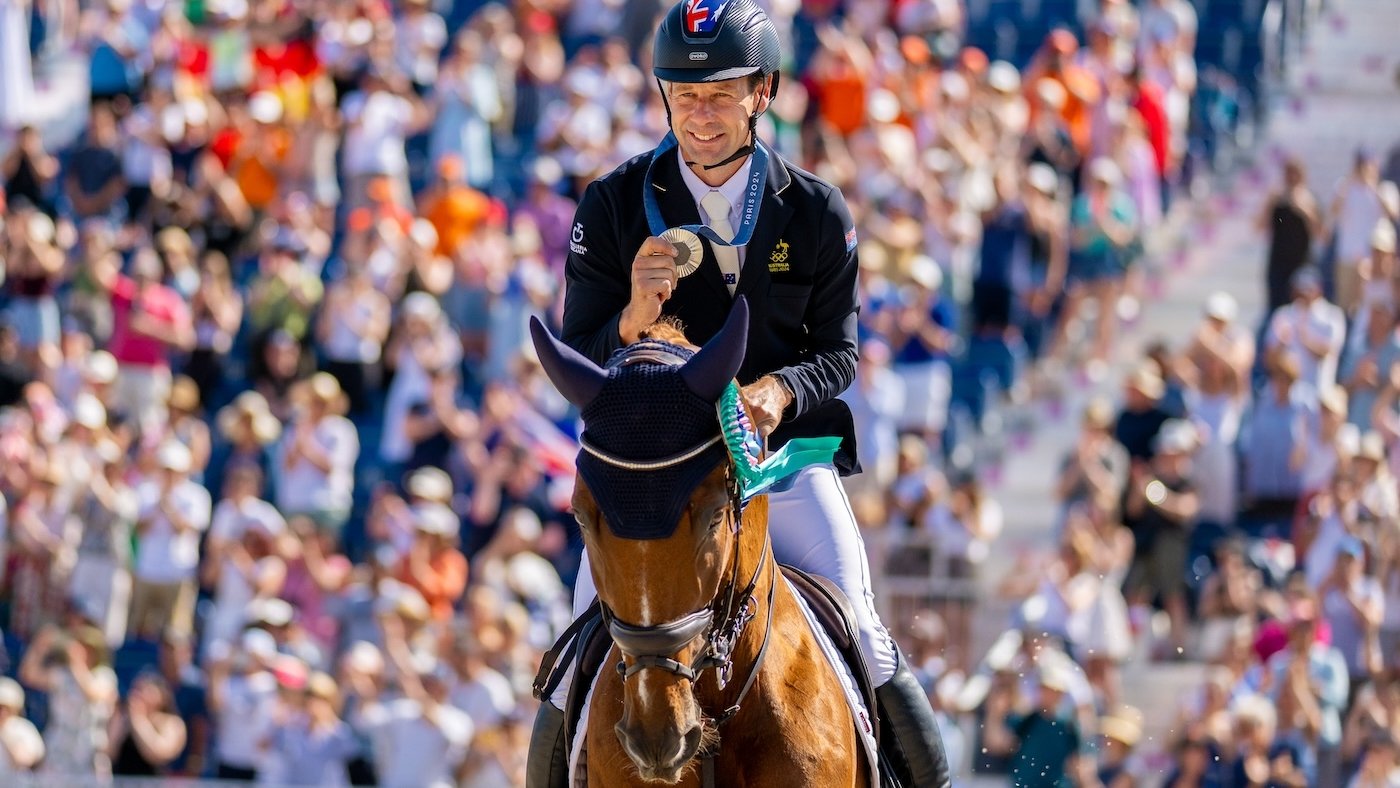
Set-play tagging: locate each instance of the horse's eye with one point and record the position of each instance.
(718, 519)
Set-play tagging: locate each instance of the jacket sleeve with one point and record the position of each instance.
(828, 364)
(597, 278)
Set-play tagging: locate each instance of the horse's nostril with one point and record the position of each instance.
(689, 744)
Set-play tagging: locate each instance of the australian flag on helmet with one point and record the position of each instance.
(702, 16)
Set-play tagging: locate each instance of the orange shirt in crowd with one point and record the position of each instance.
(455, 212)
(257, 164)
(442, 585)
(840, 90)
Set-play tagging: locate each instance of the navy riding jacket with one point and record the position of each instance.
(799, 276)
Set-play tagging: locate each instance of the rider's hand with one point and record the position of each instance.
(767, 398)
(653, 280)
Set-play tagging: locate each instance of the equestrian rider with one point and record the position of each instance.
(793, 255)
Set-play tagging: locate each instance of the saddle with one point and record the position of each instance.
(588, 640)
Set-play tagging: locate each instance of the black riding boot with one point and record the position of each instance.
(548, 763)
(909, 734)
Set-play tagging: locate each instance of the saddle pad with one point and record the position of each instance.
(578, 774)
(865, 732)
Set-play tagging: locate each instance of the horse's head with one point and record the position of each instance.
(658, 504)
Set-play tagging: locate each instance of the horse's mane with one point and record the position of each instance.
(667, 329)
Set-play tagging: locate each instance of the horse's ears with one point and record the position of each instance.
(714, 365)
(576, 377)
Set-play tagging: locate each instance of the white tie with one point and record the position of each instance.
(717, 209)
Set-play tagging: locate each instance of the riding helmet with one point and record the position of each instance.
(715, 40)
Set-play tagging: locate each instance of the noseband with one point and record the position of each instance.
(720, 624)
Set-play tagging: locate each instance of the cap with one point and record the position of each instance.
(1043, 178)
(437, 520)
(430, 483)
(1051, 92)
(1334, 399)
(290, 671)
(101, 367)
(422, 305)
(173, 456)
(1098, 414)
(1222, 306)
(273, 612)
(1351, 546)
(1105, 170)
(258, 643)
(11, 694)
(265, 107)
(89, 412)
(1177, 436)
(1124, 725)
(1383, 237)
(1372, 447)
(364, 657)
(1003, 77)
(1053, 678)
(925, 272)
(1146, 380)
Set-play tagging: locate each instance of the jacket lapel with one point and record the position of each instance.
(678, 208)
(773, 219)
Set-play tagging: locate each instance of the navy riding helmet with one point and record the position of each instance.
(715, 40)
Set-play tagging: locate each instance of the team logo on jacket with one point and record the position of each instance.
(576, 240)
(702, 16)
(777, 262)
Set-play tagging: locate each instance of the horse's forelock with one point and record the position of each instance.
(667, 329)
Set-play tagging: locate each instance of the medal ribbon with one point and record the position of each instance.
(748, 217)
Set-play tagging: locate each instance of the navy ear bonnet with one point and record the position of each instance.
(645, 413)
(650, 418)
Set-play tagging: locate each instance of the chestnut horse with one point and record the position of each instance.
(719, 679)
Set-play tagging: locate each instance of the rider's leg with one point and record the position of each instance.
(548, 763)
(812, 527)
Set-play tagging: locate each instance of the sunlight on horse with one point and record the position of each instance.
(648, 719)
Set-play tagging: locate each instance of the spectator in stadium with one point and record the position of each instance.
(317, 456)
(1362, 200)
(309, 737)
(71, 668)
(1292, 219)
(146, 732)
(1161, 506)
(1102, 227)
(150, 322)
(172, 514)
(1273, 456)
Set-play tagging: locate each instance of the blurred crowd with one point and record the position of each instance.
(1237, 506)
(285, 490)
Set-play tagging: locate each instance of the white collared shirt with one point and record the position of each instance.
(732, 189)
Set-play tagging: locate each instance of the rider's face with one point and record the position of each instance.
(711, 119)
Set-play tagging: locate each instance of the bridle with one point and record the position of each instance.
(720, 624)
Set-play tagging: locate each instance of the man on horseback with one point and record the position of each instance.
(784, 239)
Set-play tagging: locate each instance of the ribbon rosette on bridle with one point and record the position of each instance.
(758, 476)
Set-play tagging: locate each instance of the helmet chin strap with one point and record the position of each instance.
(744, 150)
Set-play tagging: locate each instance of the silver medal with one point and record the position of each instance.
(689, 252)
